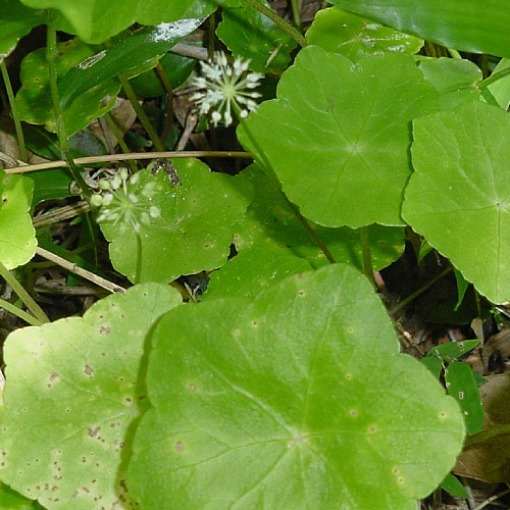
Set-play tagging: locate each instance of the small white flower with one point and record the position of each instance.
(125, 203)
(225, 87)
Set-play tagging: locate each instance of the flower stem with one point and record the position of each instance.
(140, 112)
(284, 25)
(51, 54)
(14, 112)
(22, 293)
(368, 269)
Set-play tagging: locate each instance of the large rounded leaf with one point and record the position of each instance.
(469, 25)
(458, 197)
(342, 135)
(178, 230)
(71, 396)
(290, 402)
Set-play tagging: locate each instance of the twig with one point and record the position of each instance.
(73, 268)
(488, 501)
(88, 160)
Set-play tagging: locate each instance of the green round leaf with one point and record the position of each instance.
(71, 396)
(293, 401)
(192, 229)
(17, 234)
(457, 197)
(355, 37)
(341, 153)
(252, 35)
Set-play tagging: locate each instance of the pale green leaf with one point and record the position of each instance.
(73, 391)
(338, 135)
(458, 196)
(293, 401)
(191, 230)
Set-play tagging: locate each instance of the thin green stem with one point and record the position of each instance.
(454, 53)
(296, 12)
(284, 25)
(366, 255)
(23, 154)
(51, 56)
(295, 209)
(22, 293)
(18, 312)
(493, 77)
(140, 112)
(120, 139)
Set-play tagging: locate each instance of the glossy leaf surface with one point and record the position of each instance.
(128, 54)
(355, 37)
(457, 198)
(341, 152)
(469, 25)
(72, 393)
(291, 401)
(33, 100)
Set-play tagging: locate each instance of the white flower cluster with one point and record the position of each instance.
(125, 204)
(225, 87)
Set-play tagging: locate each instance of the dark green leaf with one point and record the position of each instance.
(356, 37)
(129, 55)
(469, 25)
(461, 385)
